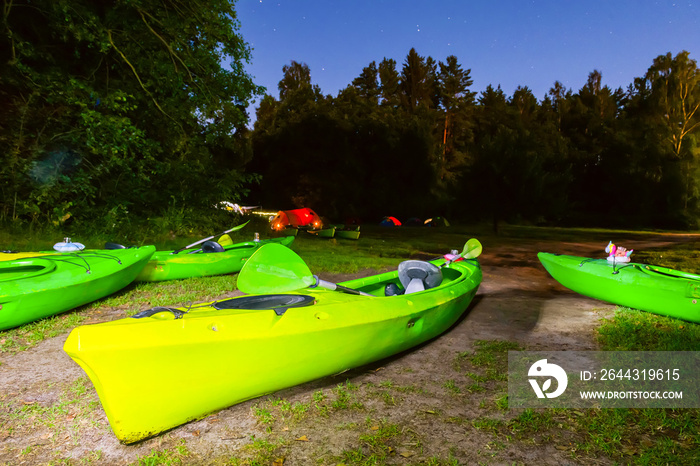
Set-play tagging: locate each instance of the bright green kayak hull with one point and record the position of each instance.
(164, 265)
(650, 288)
(347, 232)
(38, 287)
(154, 373)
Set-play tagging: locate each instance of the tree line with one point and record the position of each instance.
(415, 140)
(123, 111)
(115, 111)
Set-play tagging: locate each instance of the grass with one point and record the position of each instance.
(633, 330)
(75, 412)
(636, 436)
(272, 411)
(643, 436)
(29, 335)
(381, 440)
(488, 365)
(176, 455)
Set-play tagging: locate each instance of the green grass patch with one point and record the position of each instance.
(260, 452)
(263, 415)
(488, 424)
(273, 410)
(632, 330)
(634, 436)
(487, 368)
(628, 436)
(411, 389)
(176, 455)
(71, 414)
(381, 441)
(346, 397)
(29, 335)
(490, 361)
(452, 387)
(643, 436)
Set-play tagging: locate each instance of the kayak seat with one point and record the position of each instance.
(276, 302)
(109, 245)
(418, 276)
(212, 246)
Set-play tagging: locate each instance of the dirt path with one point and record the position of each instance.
(52, 412)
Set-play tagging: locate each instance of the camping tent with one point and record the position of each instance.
(390, 222)
(296, 218)
(437, 222)
(414, 222)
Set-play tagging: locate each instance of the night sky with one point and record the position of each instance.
(508, 43)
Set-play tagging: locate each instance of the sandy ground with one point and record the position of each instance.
(517, 301)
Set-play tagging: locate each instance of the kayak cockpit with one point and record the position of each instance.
(666, 272)
(275, 302)
(27, 268)
(391, 284)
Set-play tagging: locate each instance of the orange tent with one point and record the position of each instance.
(296, 218)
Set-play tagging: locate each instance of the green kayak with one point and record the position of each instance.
(650, 288)
(347, 232)
(167, 366)
(35, 287)
(327, 232)
(217, 260)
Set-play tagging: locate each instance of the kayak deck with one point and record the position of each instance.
(36, 287)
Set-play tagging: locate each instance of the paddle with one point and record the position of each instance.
(275, 269)
(211, 237)
(472, 249)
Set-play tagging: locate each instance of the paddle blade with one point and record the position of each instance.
(225, 240)
(238, 227)
(472, 249)
(274, 269)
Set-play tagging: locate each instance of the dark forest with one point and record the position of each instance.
(415, 140)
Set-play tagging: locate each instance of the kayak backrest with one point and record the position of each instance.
(419, 275)
(212, 246)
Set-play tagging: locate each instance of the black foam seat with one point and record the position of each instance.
(212, 246)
